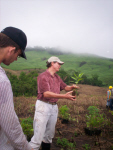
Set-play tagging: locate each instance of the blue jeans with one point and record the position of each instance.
(111, 104)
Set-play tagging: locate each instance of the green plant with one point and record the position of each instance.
(64, 112)
(111, 112)
(27, 126)
(94, 119)
(25, 84)
(66, 144)
(64, 76)
(71, 146)
(75, 134)
(76, 78)
(31, 108)
(62, 142)
(86, 146)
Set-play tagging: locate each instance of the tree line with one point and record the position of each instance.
(26, 84)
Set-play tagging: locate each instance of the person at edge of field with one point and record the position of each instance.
(108, 97)
(12, 44)
(111, 100)
(46, 109)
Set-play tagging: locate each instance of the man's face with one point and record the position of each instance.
(56, 66)
(11, 56)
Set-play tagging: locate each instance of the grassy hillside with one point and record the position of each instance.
(74, 130)
(89, 65)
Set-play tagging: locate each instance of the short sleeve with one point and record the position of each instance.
(43, 84)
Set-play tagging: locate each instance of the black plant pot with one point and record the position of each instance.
(65, 121)
(92, 132)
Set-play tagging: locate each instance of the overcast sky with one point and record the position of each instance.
(82, 26)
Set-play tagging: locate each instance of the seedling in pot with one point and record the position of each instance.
(95, 121)
(64, 114)
(76, 79)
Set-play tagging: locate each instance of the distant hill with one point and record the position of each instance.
(88, 64)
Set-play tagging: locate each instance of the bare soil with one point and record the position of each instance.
(17, 72)
(88, 96)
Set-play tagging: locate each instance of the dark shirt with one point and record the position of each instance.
(47, 82)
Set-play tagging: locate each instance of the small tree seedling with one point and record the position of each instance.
(76, 78)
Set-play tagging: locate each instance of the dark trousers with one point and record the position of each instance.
(45, 146)
(111, 104)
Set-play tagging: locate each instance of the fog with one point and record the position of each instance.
(79, 26)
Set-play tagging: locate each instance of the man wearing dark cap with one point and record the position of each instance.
(46, 109)
(13, 42)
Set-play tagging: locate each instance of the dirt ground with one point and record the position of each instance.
(88, 96)
(17, 72)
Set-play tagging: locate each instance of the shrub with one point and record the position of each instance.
(62, 142)
(27, 126)
(25, 84)
(95, 81)
(94, 119)
(66, 144)
(64, 112)
(64, 76)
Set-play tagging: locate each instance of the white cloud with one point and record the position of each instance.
(76, 25)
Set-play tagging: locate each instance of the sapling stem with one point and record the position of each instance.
(76, 79)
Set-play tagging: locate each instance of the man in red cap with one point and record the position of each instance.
(12, 44)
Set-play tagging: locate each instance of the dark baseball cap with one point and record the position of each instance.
(18, 36)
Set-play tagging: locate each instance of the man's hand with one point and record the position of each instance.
(68, 95)
(70, 88)
(74, 86)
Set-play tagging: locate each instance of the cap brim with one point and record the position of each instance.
(61, 62)
(23, 54)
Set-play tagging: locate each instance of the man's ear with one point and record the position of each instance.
(52, 63)
(11, 49)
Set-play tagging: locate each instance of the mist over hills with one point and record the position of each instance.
(60, 51)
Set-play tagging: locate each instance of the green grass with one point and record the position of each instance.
(103, 67)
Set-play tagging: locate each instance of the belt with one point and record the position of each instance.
(52, 103)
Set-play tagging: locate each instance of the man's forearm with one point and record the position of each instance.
(67, 95)
(49, 94)
(70, 88)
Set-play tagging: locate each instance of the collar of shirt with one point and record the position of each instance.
(1, 69)
(50, 74)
